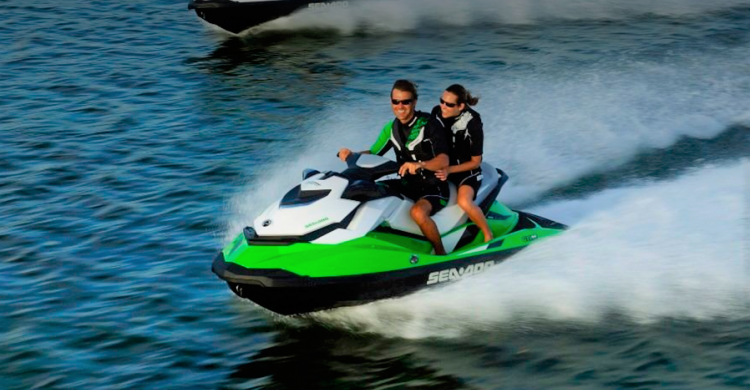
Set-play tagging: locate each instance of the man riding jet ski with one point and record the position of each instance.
(343, 239)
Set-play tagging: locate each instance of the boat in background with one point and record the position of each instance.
(238, 16)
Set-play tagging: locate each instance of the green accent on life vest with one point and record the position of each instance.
(414, 133)
(385, 135)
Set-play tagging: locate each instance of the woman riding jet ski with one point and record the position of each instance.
(343, 239)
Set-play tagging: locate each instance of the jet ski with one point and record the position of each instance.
(347, 238)
(238, 16)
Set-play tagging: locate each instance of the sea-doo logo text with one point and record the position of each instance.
(316, 222)
(458, 273)
(236, 244)
(328, 4)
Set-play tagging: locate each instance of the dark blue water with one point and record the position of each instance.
(135, 141)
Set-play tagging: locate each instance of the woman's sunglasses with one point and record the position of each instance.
(405, 102)
(451, 105)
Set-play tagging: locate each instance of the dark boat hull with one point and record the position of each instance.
(236, 17)
(286, 293)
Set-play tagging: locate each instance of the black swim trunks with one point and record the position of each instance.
(435, 193)
(472, 179)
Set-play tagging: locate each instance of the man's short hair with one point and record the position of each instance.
(406, 86)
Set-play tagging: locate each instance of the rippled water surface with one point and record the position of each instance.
(136, 141)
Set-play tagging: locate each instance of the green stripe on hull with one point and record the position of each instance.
(378, 251)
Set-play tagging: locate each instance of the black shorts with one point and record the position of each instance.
(437, 193)
(469, 178)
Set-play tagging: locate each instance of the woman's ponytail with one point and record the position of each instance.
(463, 95)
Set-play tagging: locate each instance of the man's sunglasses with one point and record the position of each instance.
(451, 105)
(405, 102)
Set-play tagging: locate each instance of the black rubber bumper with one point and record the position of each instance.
(287, 293)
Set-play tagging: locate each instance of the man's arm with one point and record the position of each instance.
(380, 147)
(382, 144)
(440, 146)
(440, 162)
(344, 153)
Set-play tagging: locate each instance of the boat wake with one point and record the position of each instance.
(600, 121)
(378, 16)
(665, 236)
(669, 249)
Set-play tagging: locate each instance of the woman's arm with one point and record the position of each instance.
(474, 163)
(440, 162)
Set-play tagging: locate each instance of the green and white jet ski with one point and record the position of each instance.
(344, 239)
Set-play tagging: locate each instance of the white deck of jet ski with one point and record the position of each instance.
(450, 216)
(390, 211)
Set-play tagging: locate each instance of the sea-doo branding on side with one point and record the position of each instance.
(326, 4)
(453, 274)
(345, 238)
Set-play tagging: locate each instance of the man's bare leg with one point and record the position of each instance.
(420, 212)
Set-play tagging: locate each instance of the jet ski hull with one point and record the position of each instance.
(288, 293)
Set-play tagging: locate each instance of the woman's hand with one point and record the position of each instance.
(411, 167)
(442, 174)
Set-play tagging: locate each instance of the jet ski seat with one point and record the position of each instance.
(451, 216)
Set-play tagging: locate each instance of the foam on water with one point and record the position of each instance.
(545, 126)
(399, 15)
(674, 248)
(558, 123)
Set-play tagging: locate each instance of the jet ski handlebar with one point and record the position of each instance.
(368, 167)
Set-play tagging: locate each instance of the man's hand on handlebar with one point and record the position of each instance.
(410, 167)
(344, 153)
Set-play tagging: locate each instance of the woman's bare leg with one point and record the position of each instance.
(466, 202)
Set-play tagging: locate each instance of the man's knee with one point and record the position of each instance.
(420, 212)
